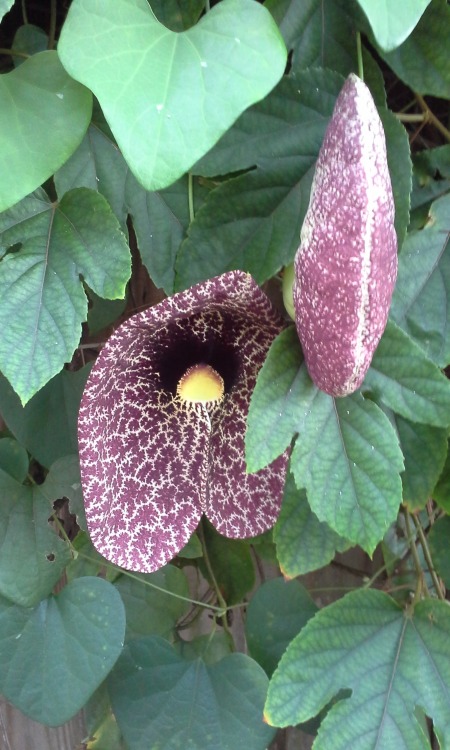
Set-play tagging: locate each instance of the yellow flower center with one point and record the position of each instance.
(201, 384)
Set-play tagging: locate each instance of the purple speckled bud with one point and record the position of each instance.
(346, 265)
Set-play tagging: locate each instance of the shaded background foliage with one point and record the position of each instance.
(240, 206)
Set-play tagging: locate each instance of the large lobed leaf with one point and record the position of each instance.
(44, 115)
(394, 661)
(346, 454)
(163, 92)
(303, 542)
(43, 300)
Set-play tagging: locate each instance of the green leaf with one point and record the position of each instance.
(47, 425)
(43, 117)
(303, 542)
(150, 611)
(400, 168)
(43, 300)
(192, 549)
(346, 455)
(5, 6)
(348, 458)
(231, 562)
(442, 490)
(390, 24)
(13, 459)
(30, 40)
(103, 312)
(403, 378)
(419, 304)
(283, 393)
(439, 548)
(424, 449)
(211, 648)
(32, 556)
(276, 613)
(366, 643)
(160, 218)
(422, 60)
(177, 15)
(162, 700)
(321, 34)
(64, 480)
(253, 221)
(162, 91)
(54, 656)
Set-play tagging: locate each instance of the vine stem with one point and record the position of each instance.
(427, 556)
(24, 12)
(431, 117)
(412, 545)
(359, 56)
(110, 566)
(220, 599)
(13, 53)
(191, 197)
(52, 27)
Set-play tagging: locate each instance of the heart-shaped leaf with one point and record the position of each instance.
(5, 6)
(53, 656)
(162, 700)
(169, 96)
(44, 115)
(43, 300)
(392, 24)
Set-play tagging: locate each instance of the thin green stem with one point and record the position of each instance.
(220, 599)
(191, 197)
(24, 12)
(52, 26)
(359, 56)
(13, 53)
(110, 566)
(431, 117)
(421, 584)
(410, 118)
(207, 6)
(427, 556)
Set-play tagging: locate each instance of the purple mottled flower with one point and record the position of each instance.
(346, 265)
(162, 423)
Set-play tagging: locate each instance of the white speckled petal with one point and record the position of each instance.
(346, 265)
(151, 464)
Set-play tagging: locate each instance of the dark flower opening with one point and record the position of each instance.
(182, 349)
(151, 463)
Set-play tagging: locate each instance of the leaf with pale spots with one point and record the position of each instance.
(78, 633)
(346, 453)
(303, 542)
(403, 378)
(392, 661)
(50, 247)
